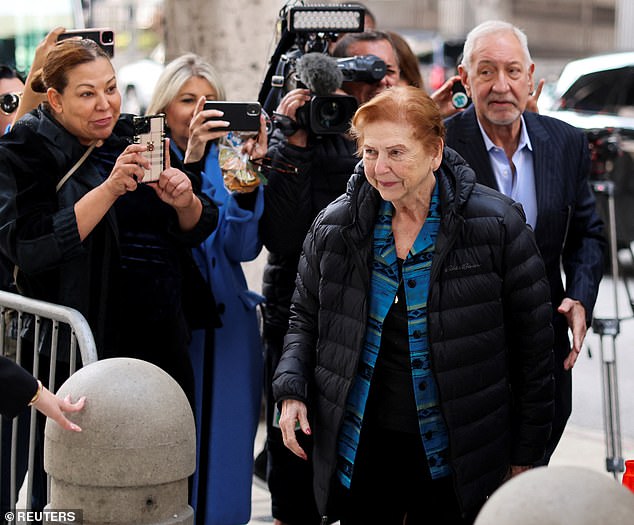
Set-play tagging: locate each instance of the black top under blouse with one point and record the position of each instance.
(391, 404)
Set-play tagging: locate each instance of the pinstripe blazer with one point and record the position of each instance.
(569, 231)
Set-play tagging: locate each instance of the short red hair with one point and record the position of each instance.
(402, 104)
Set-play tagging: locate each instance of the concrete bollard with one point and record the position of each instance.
(559, 495)
(130, 464)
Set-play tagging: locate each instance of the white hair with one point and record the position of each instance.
(489, 28)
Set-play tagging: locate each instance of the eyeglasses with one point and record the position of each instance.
(9, 102)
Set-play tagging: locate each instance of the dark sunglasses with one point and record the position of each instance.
(9, 102)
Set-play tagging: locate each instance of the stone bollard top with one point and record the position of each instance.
(558, 495)
(137, 428)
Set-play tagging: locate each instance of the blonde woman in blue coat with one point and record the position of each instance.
(227, 359)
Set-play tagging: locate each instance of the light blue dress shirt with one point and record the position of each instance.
(518, 183)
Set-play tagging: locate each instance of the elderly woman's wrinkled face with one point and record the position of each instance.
(90, 105)
(397, 164)
(180, 111)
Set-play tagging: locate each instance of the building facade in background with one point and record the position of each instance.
(238, 36)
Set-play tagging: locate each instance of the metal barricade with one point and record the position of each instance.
(29, 324)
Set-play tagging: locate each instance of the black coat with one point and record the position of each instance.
(489, 329)
(39, 234)
(569, 231)
(291, 203)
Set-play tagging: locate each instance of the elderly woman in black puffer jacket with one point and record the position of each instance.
(419, 351)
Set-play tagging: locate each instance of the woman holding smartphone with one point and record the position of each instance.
(227, 359)
(82, 227)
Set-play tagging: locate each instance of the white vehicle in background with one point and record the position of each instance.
(596, 95)
(136, 82)
(596, 92)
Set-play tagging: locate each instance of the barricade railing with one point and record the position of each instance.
(30, 333)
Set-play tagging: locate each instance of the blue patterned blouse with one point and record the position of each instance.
(383, 289)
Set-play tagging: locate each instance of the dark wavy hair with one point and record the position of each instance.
(7, 71)
(410, 70)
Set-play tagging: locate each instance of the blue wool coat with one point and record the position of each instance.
(228, 370)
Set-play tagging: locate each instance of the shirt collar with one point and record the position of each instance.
(383, 235)
(524, 141)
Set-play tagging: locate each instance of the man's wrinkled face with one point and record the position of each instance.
(499, 80)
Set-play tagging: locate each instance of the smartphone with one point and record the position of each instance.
(150, 131)
(103, 36)
(242, 116)
(459, 97)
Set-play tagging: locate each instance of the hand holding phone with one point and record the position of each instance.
(242, 116)
(150, 131)
(104, 37)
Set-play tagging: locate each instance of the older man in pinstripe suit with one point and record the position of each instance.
(544, 164)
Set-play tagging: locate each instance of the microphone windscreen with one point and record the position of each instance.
(319, 73)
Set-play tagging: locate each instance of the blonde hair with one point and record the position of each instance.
(175, 74)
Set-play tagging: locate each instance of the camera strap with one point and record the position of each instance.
(75, 167)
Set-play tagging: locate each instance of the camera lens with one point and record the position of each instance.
(329, 114)
(9, 102)
(253, 110)
(107, 37)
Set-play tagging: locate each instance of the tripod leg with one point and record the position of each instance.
(612, 422)
(611, 328)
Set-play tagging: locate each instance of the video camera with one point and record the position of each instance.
(605, 148)
(301, 60)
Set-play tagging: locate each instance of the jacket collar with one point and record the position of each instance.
(59, 142)
(547, 180)
(470, 142)
(64, 146)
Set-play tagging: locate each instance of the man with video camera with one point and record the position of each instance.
(307, 169)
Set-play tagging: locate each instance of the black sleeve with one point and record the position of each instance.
(17, 388)
(209, 216)
(287, 199)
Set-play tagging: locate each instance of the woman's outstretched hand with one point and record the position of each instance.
(294, 411)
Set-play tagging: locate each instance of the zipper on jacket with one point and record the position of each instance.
(450, 233)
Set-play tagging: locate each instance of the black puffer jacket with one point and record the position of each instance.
(489, 325)
(291, 203)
